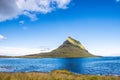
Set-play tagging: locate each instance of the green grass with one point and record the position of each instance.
(54, 75)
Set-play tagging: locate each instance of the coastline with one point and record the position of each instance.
(54, 75)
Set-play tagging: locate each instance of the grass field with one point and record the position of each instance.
(54, 75)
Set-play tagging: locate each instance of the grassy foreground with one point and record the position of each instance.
(54, 75)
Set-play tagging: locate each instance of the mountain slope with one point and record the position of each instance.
(70, 48)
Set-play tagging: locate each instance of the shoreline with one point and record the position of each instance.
(60, 70)
(53, 75)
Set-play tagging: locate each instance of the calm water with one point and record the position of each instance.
(98, 66)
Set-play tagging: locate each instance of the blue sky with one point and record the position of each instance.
(29, 29)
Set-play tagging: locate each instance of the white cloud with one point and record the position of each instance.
(14, 51)
(2, 37)
(62, 3)
(13, 8)
(42, 6)
(31, 16)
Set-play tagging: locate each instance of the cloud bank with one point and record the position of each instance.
(10, 9)
(16, 51)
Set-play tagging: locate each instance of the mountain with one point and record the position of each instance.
(70, 48)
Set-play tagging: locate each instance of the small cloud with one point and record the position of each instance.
(62, 3)
(31, 16)
(2, 37)
(21, 22)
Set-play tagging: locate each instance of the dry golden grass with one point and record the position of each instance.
(54, 75)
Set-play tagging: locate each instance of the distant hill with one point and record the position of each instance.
(70, 48)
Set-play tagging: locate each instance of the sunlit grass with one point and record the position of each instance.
(54, 75)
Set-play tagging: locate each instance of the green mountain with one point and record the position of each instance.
(70, 48)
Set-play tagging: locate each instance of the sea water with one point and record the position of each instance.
(94, 66)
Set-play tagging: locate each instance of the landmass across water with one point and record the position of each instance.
(70, 48)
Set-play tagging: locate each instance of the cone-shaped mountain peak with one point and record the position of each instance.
(70, 48)
(74, 42)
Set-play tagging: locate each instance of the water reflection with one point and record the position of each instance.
(72, 64)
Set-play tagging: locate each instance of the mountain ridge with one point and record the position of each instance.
(75, 42)
(69, 48)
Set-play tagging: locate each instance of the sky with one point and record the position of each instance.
(34, 26)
